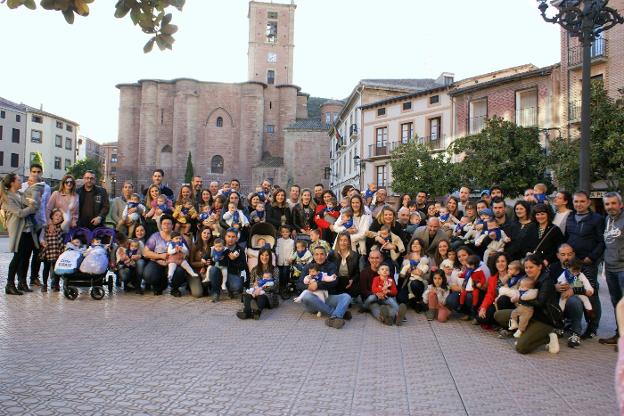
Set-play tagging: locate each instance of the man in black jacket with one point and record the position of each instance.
(93, 202)
(584, 232)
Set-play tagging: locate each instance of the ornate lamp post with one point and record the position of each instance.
(358, 163)
(585, 20)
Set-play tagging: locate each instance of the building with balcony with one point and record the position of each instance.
(424, 116)
(526, 95)
(607, 64)
(12, 137)
(347, 149)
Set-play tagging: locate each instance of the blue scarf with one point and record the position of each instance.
(414, 263)
(131, 253)
(444, 217)
(459, 228)
(467, 277)
(235, 217)
(260, 214)
(540, 197)
(368, 194)
(185, 211)
(263, 282)
(133, 204)
(301, 254)
(348, 224)
(496, 231)
(513, 280)
(163, 207)
(570, 278)
(261, 196)
(204, 216)
(217, 255)
(327, 210)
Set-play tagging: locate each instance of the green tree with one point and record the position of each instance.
(149, 15)
(81, 166)
(606, 145)
(38, 159)
(504, 154)
(416, 168)
(188, 174)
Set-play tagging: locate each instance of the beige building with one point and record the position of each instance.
(12, 137)
(109, 168)
(234, 130)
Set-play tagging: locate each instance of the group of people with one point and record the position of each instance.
(528, 269)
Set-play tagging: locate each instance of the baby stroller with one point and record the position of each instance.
(260, 231)
(93, 272)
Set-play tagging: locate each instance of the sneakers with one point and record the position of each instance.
(384, 315)
(517, 334)
(335, 322)
(513, 324)
(574, 341)
(504, 333)
(559, 332)
(430, 314)
(553, 345)
(401, 314)
(588, 334)
(609, 341)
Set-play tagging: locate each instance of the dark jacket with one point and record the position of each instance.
(101, 206)
(547, 246)
(274, 216)
(329, 268)
(353, 266)
(586, 236)
(546, 300)
(366, 281)
(301, 220)
(239, 264)
(516, 247)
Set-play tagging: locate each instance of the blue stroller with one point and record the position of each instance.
(93, 273)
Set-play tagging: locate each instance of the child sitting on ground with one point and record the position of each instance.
(473, 285)
(314, 274)
(498, 239)
(575, 278)
(315, 238)
(384, 293)
(266, 281)
(132, 213)
(258, 214)
(524, 309)
(300, 258)
(435, 297)
(178, 251)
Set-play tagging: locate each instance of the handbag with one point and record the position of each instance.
(543, 239)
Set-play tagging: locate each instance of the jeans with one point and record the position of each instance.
(334, 306)
(284, 276)
(416, 287)
(35, 264)
(19, 262)
(452, 301)
(234, 281)
(389, 301)
(156, 276)
(615, 283)
(129, 275)
(573, 313)
(591, 272)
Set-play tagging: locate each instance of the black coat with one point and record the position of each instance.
(301, 220)
(353, 265)
(274, 216)
(547, 246)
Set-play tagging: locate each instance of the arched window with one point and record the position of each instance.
(166, 149)
(216, 164)
(219, 121)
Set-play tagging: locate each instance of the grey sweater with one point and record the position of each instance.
(614, 243)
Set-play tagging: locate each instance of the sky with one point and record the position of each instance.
(72, 70)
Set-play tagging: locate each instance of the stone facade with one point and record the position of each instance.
(231, 130)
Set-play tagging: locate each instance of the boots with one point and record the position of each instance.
(23, 286)
(10, 289)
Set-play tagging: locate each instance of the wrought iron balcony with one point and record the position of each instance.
(598, 52)
(434, 142)
(379, 151)
(574, 112)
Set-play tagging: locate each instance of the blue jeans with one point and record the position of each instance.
(156, 276)
(334, 306)
(452, 301)
(615, 283)
(591, 272)
(389, 301)
(234, 282)
(573, 313)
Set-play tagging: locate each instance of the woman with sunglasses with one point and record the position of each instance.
(66, 200)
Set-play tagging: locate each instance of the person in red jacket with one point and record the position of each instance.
(326, 215)
(489, 305)
(474, 284)
(384, 292)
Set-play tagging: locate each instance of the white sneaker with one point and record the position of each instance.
(513, 325)
(517, 334)
(553, 345)
(319, 314)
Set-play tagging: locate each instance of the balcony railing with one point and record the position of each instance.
(598, 50)
(526, 117)
(476, 124)
(574, 112)
(434, 142)
(378, 151)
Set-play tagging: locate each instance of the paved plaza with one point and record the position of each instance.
(131, 354)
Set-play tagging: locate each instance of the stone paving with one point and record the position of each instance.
(144, 355)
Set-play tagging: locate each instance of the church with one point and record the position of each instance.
(265, 127)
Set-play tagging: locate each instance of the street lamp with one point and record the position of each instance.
(584, 20)
(114, 185)
(358, 163)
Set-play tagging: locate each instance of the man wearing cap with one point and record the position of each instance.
(485, 196)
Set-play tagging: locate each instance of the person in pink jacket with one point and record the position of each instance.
(65, 199)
